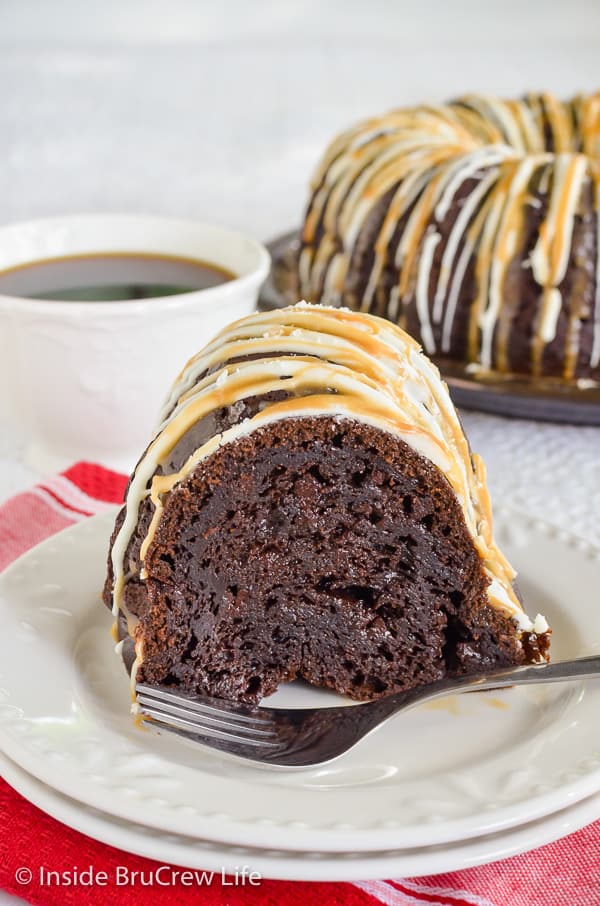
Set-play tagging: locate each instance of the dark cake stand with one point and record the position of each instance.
(519, 397)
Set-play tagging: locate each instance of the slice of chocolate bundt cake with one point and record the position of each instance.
(310, 507)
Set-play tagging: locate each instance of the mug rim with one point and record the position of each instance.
(257, 273)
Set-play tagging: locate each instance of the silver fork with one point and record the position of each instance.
(302, 737)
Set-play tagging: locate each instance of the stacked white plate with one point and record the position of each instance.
(464, 781)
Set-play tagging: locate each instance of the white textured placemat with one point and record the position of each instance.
(552, 471)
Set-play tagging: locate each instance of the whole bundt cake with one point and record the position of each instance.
(309, 507)
(473, 225)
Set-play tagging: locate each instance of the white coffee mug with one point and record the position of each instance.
(85, 380)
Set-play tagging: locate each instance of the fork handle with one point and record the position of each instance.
(562, 671)
(537, 673)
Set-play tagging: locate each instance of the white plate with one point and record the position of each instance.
(473, 766)
(298, 866)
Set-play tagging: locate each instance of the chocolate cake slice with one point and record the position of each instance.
(310, 507)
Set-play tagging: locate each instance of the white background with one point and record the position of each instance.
(220, 110)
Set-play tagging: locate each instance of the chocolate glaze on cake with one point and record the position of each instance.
(473, 225)
(310, 508)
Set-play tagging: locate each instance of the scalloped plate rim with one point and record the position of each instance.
(331, 837)
(299, 866)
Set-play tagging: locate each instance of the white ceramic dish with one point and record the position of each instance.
(85, 380)
(475, 765)
(298, 866)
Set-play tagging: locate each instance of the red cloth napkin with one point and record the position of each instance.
(566, 872)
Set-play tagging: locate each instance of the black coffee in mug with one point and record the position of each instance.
(111, 276)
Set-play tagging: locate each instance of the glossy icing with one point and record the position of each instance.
(388, 183)
(331, 363)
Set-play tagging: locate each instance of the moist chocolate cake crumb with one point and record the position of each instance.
(319, 548)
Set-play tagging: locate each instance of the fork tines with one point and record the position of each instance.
(210, 719)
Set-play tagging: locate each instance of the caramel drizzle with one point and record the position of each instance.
(332, 363)
(424, 155)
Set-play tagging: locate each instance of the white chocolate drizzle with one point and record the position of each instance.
(330, 363)
(390, 182)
